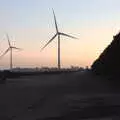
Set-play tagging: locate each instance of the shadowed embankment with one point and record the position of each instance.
(108, 63)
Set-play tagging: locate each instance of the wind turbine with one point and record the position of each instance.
(10, 48)
(58, 34)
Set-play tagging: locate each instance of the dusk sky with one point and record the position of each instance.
(30, 25)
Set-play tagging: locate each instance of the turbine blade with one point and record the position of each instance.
(49, 41)
(16, 48)
(55, 21)
(8, 40)
(5, 53)
(68, 35)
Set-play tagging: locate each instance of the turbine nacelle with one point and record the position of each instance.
(10, 47)
(67, 35)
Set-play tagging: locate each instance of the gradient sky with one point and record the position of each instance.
(30, 25)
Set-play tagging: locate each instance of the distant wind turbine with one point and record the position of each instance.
(10, 48)
(58, 34)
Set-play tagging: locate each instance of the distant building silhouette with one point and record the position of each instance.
(108, 62)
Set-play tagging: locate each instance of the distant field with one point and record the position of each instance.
(18, 73)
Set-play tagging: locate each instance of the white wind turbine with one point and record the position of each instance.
(10, 48)
(58, 34)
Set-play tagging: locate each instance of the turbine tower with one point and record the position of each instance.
(58, 34)
(10, 48)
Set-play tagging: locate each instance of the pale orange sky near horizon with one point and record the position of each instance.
(81, 52)
(30, 25)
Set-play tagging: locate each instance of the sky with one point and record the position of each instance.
(30, 24)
